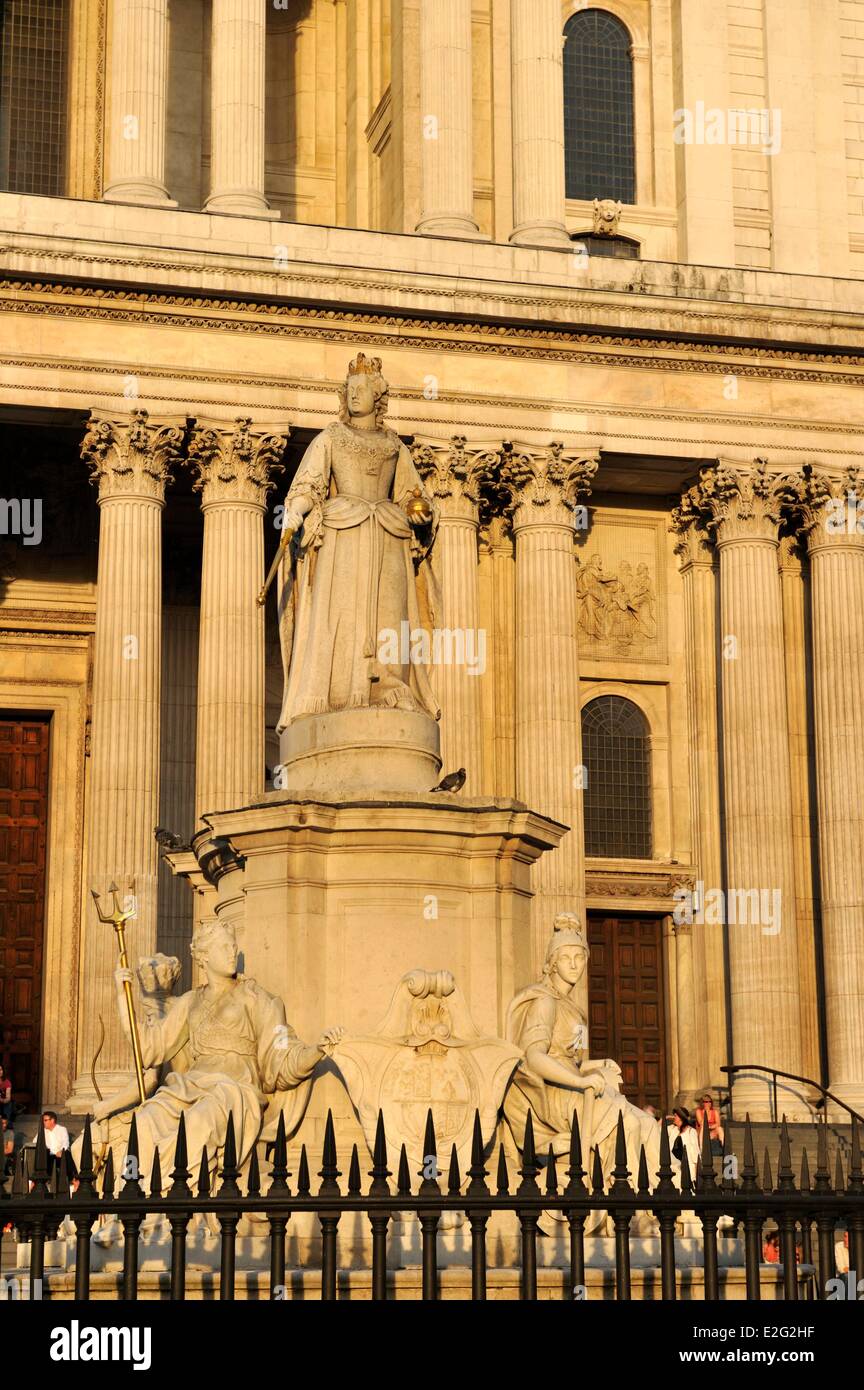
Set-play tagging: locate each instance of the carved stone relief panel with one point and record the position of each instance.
(621, 589)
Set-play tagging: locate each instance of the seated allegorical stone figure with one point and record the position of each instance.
(235, 1048)
(556, 1078)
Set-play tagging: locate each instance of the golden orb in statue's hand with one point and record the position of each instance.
(418, 510)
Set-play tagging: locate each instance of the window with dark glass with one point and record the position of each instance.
(33, 42)
(599, 148)
(617, 757)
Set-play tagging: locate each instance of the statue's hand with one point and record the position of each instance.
(292, 520)
(121, 975)
(596, 1083)
(329, 1038)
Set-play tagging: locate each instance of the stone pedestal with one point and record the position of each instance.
(352, 752)
(334, 901)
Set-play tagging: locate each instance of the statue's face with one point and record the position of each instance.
(569, 964)
(221, 957)
(359, 395)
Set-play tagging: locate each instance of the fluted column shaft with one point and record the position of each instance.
(233, 473)
(700, 1063)
(237, 86)
(453, 470)
(757, 787)
(447, 137)
(503, 645)
(836, 550)
(537, 71)
(130, 460)
(686, 1015)
(795, 625)
(458, 684)
(177, 783)
(546, 484)
(138, 102)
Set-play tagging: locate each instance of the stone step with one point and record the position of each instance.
(766, 1137)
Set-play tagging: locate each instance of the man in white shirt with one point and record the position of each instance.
(56, 1136)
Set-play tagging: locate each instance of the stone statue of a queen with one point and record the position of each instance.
(357, 569)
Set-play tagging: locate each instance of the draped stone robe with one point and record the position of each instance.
(235, 1049)
(542, 1017)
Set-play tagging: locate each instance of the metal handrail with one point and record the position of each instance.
(774, 1072)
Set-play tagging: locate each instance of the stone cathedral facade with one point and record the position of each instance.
(612, 259)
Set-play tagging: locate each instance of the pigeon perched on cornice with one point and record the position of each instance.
(166, 839)
(453, 782)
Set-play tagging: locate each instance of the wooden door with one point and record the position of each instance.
(23, 838)
(625, 1002)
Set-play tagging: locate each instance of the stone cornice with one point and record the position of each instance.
(336, 266)
(234, 463)
(603, 344)
(130, 455)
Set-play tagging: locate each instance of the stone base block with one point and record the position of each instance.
(333, 901)
(360, 751)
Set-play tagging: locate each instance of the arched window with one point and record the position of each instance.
(599, 149)
(617, 757)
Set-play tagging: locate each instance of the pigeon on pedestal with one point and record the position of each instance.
(453, 782)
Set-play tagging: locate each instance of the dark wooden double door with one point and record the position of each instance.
(625, 1002)
(23, 843)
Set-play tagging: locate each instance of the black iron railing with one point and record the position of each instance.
(774, 1072)
(39, 1203)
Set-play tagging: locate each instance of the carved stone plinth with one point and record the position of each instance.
(348, 752)
(335, 901)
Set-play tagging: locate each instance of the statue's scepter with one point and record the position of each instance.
(118, 919)
(287, 535)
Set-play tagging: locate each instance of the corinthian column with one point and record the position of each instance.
(537, 69)
(447, 140)
(138, 100)
(129, 459)
(760, 898)
(546, 485)
(454, 471)
(497, 538)
(700, 1062)
(832, 510)
(237, 40)
(234, 466)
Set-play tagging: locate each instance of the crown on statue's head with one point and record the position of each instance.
(363, 365)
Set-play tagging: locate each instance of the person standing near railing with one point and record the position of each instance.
(706, 1110)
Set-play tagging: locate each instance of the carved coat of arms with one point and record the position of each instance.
(427, 1054)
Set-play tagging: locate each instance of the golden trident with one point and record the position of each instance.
(118, 920)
